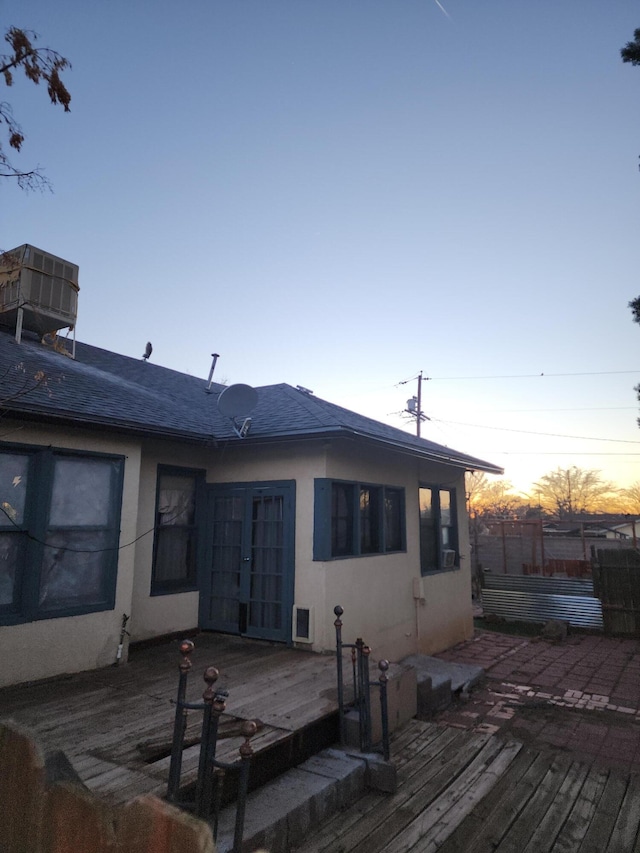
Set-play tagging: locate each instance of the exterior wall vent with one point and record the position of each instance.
(303, 624)
(38, 291)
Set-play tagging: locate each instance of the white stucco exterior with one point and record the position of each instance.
(385, 600)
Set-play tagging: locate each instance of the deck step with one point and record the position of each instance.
(280, 813)
(438, 680)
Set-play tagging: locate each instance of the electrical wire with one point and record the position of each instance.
(530, 375)
(531, 432)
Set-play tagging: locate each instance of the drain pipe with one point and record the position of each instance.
(123, 633)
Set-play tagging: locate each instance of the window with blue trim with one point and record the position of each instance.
(178, 497)
(438, 529)
(59, 532)
(357, 519)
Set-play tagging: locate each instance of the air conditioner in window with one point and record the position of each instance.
(448, 558)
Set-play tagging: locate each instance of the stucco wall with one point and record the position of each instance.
(48, 647)
(163, 614)
(376, 592)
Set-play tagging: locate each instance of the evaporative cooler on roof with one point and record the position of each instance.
(38, 291)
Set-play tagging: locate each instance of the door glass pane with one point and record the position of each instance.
(226, 561)
(265, 606)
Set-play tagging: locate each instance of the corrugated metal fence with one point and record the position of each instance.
(538, 599)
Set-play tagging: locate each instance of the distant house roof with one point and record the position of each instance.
(103, 389)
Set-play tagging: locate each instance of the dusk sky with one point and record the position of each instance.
(340, 194)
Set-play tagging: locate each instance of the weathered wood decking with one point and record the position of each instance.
(115, 724)
(461, 792)
(458, 790)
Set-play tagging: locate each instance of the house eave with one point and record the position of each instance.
(459, 461)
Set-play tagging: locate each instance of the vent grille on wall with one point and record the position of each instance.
(303, 624)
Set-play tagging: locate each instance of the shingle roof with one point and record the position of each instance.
(104, 389)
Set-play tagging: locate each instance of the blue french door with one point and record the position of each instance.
(248, 582)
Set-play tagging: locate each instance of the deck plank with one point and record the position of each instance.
(378, 829)
(601, 827)
(433, 825)
(490, 808)
(425, 747)
(625, 831)
(575, 828)
(549, 827)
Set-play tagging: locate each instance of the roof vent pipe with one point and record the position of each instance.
(215, 356)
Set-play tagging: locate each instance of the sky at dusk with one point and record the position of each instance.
(340, 194)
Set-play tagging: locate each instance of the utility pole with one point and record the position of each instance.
(414, 405)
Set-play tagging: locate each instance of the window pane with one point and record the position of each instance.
(174, 554)
(393, 519)
(81, 494)
(342, 519)
(175, 542)
(73, 569)
(369, 520)
(176, 500)
(11, 555)
(445, 507)
(13, 488)
(428, 532)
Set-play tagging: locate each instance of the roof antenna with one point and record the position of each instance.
(215, 356)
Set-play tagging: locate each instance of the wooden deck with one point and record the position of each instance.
(115, 724)
(458, 790)
(461, 792)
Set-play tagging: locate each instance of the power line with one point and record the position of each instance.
(530, 432)
(530, 375)
(582, 409)
(556, 453)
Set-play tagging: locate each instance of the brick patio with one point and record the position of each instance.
(581, 695)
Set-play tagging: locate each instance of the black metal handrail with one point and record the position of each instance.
(211, 771)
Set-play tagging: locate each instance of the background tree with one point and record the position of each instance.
(493, 498)
(38, 64)
(631, 51)
(630, 499)
(567, 492)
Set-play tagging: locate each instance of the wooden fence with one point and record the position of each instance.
(37, 816)
(616, 581)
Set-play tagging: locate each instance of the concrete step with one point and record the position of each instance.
(439, 680)
(279, 814)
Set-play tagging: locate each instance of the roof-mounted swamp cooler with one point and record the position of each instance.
(38, 292)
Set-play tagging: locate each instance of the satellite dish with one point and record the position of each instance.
(237, 401)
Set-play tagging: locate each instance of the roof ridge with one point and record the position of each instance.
(310, 403)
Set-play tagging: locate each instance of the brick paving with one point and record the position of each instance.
(581, 695)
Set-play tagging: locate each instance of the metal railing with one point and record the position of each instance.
(211, 771)
(362, 686)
